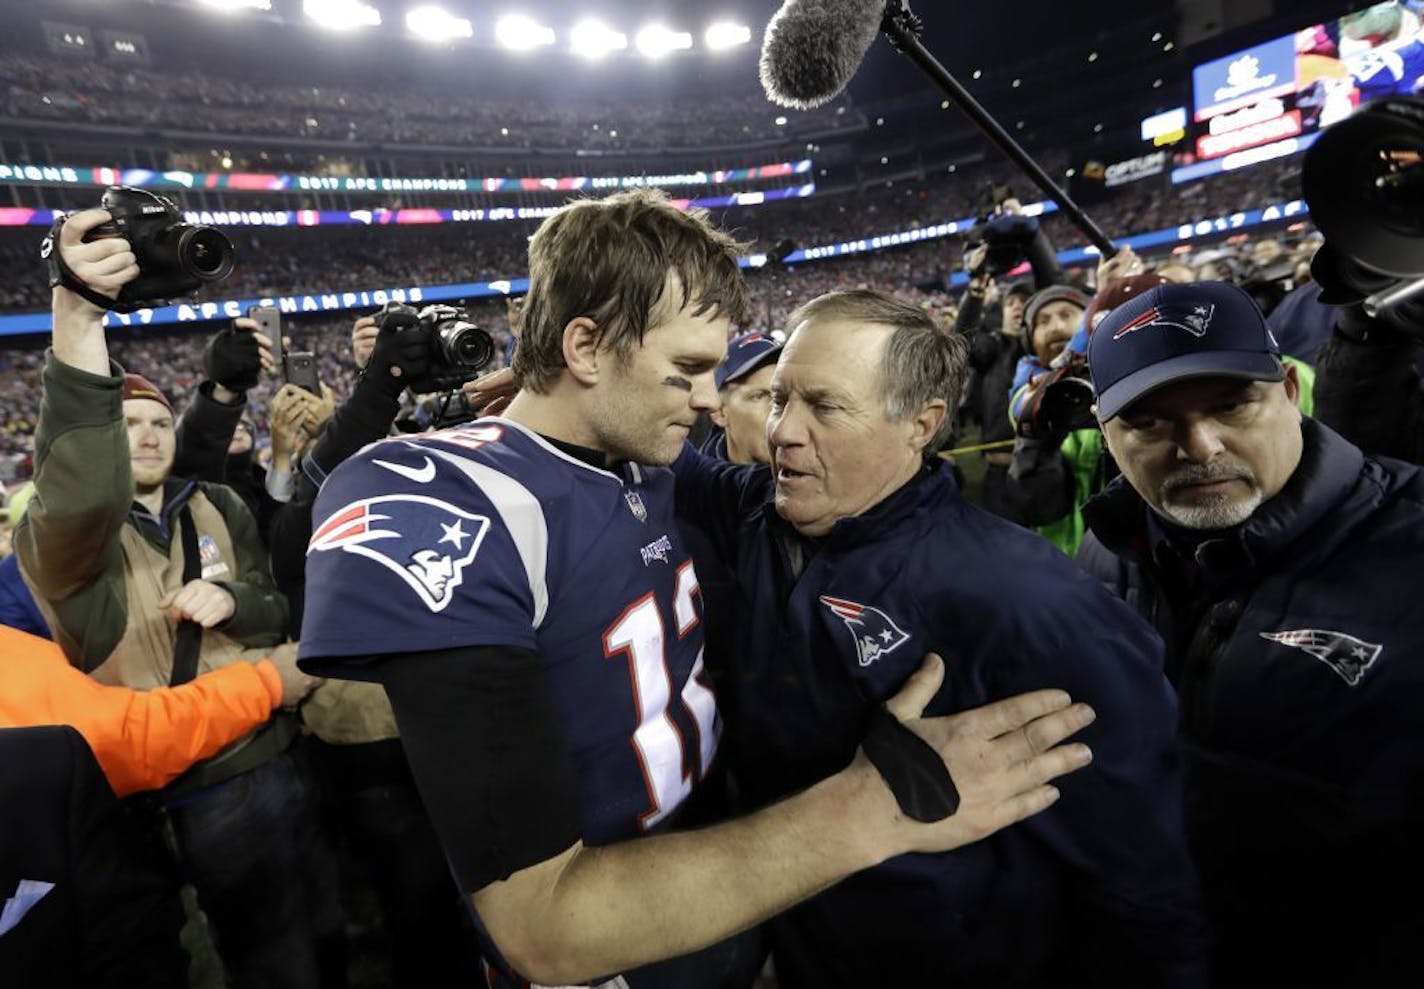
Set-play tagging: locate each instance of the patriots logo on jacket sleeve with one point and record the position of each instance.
(1346, 655)
(1192, 319)
(875, 633)
(424, 541)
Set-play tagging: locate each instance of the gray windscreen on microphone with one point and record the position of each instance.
(813, 47)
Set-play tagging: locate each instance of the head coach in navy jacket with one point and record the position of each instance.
(854, 556)
(1282, 568)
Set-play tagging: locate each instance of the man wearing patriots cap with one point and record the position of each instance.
(1280, 564)
(744, 392)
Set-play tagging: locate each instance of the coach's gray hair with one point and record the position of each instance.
(922, 361)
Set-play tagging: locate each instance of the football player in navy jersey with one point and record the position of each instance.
(520, 588)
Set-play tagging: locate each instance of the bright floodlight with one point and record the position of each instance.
(226, 6)
(594, 39)
(725, 34)
(656, 41)
(341, 14)
(521, 33)
(432, 23)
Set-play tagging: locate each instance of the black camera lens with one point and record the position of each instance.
(465, 345)
(205, 253)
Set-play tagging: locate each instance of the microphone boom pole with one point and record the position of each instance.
(902, 28)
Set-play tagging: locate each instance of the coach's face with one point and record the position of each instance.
(835, 451)
(1206, 452)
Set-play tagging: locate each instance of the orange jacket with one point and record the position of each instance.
(142, 738)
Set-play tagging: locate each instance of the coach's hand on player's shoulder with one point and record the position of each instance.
(490, 393)
(1001, 757)
(104, 265)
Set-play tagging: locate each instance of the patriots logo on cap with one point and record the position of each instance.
(1193, 319)
(424, 541)
(1346, 655)
(875, 632)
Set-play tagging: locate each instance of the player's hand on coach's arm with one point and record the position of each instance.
(590, 911)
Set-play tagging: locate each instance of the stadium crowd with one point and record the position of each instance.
(49, 88)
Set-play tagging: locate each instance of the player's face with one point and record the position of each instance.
(151, 442)
(745, 404)
(649, 404)
(1205, 453)
(834, 450)
(1053, 326)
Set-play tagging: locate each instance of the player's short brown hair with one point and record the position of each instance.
(613, 260)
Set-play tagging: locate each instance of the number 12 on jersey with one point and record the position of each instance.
(640, 634)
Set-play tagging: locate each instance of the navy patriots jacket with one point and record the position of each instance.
(1097, 891)
(1298, 651)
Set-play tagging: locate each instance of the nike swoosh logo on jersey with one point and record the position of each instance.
(420, 475)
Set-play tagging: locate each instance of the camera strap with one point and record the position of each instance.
(188, 637)
(61, 274)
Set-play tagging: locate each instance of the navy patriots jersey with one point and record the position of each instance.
(487, 535)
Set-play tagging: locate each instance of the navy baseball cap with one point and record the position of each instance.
(1173, 332)
(744, 355)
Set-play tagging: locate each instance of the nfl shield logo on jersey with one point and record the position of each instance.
(424, 541)
(635, 505)
(875, 633)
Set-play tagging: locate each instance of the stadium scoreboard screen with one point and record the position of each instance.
(1271, 99)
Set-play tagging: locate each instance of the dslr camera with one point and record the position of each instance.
(174, 257)
(457, 349)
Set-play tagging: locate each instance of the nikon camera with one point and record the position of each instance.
(174, 257)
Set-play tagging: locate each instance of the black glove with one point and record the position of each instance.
(402, 342)
(233, 360)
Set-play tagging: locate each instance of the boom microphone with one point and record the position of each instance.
(813, 47)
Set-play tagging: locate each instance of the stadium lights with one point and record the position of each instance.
(228, 6)
(725, 34)
(593, 39)
(520, 33)
(432, 23)
(341, 15)
(655, 41)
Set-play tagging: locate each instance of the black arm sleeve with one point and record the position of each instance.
(1369, 391)
(971, 314)
(489, 756)
(1041, 481)
(204, 432)
(363, 418)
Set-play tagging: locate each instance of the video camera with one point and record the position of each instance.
(458, 349)
(1007, 235)
(174, 257)
(1364, 182)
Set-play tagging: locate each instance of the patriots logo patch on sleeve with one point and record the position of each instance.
(425, 541)
(874, 631)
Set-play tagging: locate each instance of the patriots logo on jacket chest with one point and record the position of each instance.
(875, 633)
